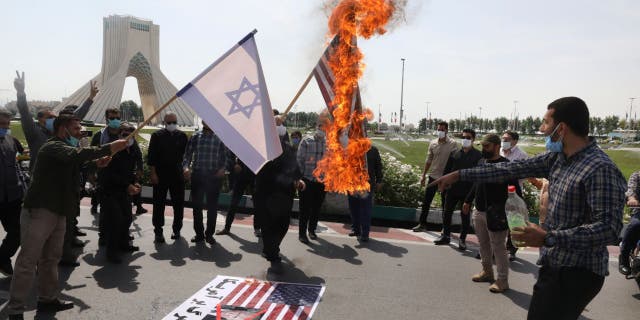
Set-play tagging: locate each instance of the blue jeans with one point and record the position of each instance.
(360, 209)
(630, 238)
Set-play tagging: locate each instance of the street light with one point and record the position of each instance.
(630, 108)
(402, 94)
(426, 122)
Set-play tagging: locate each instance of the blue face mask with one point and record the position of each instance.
(4, 132)
(551, 145)
(295, 141)
(49, 124)
(114, 123)
(71, 140)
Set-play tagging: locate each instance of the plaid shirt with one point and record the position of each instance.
(310, 151)
(634, 190)
(586, 199)
(205, 152)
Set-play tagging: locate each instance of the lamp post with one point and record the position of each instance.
(402, 94)
(426, 122)
(630, 108)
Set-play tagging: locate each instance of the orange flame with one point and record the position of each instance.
(343, 169)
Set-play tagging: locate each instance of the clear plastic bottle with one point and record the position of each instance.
(517, 213)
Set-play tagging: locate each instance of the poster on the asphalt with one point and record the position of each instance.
(227, 298)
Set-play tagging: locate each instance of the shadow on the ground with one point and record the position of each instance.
(329, 250)
(175, 252)
(216, 254)
(520, 299)
(292, 274)
(383, 247)
(523, 266)
(115, 276)
(253, 247)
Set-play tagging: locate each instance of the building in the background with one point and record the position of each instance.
(131, 49)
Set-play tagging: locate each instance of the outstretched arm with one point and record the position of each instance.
(84, 109)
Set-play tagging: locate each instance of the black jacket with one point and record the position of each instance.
(275, 183)
(166, 152)
(462, 160)
(487, 194)
(119, 174)
(10, 188)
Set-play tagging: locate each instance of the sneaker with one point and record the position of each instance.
(257, 233)
(313, 235)
(6, 268)
(141, 210)
(210, 240)
(419, 228)
(483, 276)
(54, 306)
(159, 239)
(500, 286)
(197, 239)
(462, 245)
(222, 232)
(443, 240)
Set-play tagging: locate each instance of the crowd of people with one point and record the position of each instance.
(581, 209)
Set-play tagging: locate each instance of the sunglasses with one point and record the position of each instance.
(172, 122)
(114, 118)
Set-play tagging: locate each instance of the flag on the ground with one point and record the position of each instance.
(324, 75)
(241, 297)
(231, 97)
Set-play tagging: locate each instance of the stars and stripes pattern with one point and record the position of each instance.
(282, 301)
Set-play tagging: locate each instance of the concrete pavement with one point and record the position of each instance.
(397, 274)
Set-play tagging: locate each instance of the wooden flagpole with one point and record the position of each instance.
(295, 98)
(146, 122)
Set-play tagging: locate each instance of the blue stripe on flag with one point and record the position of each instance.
(183, 90)
(229, 135)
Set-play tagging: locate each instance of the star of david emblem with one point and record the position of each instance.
(235, 95)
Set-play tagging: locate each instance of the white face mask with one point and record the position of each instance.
(466, 143)
(441, 134)
(171, 127)
(505, 145)
(130, 142)
(282, 130)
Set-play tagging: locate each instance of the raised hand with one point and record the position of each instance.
(93, 90)
(18, 83)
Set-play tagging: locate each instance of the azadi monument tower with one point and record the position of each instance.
(131, 49)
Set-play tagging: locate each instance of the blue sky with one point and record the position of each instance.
(460, 55)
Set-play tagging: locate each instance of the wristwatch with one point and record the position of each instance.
(549, 240)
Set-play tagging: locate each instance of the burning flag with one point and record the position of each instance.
(343, 169)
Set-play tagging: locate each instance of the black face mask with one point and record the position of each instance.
(487, 154)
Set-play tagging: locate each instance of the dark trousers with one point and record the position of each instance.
(429, 193)
(240, 184)
(450, 203)
(175, 186)
(310, 202)
(137, 200)
(563, 293)
(70, 235)
(10, 218)
(274, 228)
(204, 184)
(630, 239)
(360, 209)
(95, 199)
(116, 209)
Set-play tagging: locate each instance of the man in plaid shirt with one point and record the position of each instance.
(586, 199)
(204, 163)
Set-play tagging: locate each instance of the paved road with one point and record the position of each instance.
(395, 275)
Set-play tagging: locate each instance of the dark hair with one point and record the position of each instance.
(296, 133)
(111, 110)
(573, 112)
(469, 131)
(63, 120)
(41, 112)
(514, 135)
(445, 124)
(276, 112)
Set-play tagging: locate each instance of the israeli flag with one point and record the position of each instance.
(231, 98)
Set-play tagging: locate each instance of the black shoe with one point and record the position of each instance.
(130, 249)
(512, 256)
(80, 233)
(303, 239)
(77, 243)
(94, 209)
(175, 236)
(623, 266)
(462, 245)
(353, 234)
(257, 233)
(102, 242)
(18, 316)
(141, 210)
(130, 237)
(210, 240)
(54, 306)
(159, 239)
(363, 239)
(222, 232)
(443, 240)
(276, 267)
(478, 256)
(6, 268)
(68, 263)
(313, 235)
(197, 239)
(419, 228)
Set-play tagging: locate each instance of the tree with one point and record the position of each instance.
(129, 111)
(422, 125)
(610, 124)
(501, 124)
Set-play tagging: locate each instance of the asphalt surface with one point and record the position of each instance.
(385, 278)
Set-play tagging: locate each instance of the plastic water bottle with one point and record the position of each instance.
(517, 213)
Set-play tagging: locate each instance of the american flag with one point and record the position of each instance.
(325, 78)
(283, 301)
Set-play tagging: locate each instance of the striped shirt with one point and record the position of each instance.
(310, 151)
(205, 152)
(586, 199)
